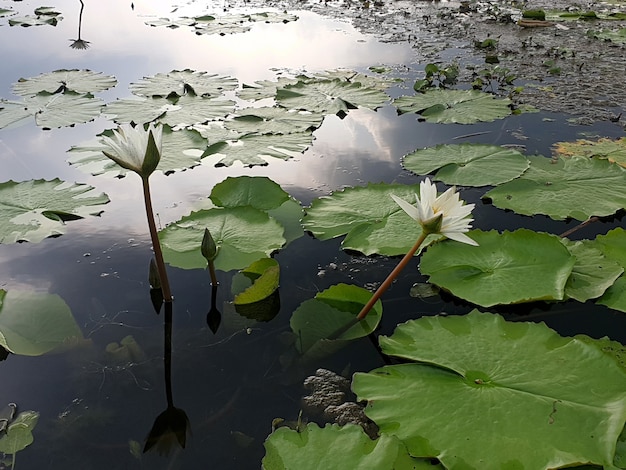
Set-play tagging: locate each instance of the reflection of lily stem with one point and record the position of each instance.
(80, 17)
(167, 354)
(212, 273)
(156, 245)
(382, 288)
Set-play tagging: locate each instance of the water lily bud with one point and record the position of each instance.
(208, 247)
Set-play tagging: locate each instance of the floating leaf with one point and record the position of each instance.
(51, 111)
(19, 434)
(337, 448)
(5, 12)
(78, 81)
(369, 217)
(36, 209)
(43, 16)
(478, 376)
(242, 235)
(317, 319)
(251, 149)
(263, 89)
(265, 275)
(611, 35)
(468, 164)
(184, 82)
(181, 150)
(576, 187)
(507, 268)
(613, 245)
(612, 150)
(264, 194)
(592, 274)
(186, 111)
(273, 120)
(32, 323)
(329, 96)
(454, 106)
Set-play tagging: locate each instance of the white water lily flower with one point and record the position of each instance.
(135, 148)
(444, 214)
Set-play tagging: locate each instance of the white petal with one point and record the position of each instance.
(460, 237)
(410, 209)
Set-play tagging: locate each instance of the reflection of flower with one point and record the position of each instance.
(169, 430)
(79, 44)
(135, 148)
(444, 214)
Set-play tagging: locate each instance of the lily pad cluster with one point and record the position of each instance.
(223, 24)
(57, 99)
(41, 16)
(506, 371)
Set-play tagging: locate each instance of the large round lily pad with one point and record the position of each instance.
(467, 164)
(369, 217)
(337, 448)
(506, 268)
(490, 394)
(576, 187)
(454, 106)
(242, 235)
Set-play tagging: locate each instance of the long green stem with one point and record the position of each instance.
(381, 289)
(392, 275)
(156, 245)
(213, 273)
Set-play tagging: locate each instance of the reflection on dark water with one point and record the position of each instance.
(234, 375)
(80, 43)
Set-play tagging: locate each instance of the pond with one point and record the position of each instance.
(98, 399)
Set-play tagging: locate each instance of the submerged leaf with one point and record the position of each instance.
(477, 376)
(32, 323)
(19, 433)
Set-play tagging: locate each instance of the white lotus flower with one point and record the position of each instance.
(135, 148)
(444, 214)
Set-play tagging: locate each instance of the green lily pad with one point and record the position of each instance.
(264, 275)
(32, 323)
(317, 319)
(369, 217)
(252, 149)
(454, 106)
(187, 110)
(19, 433)
(613, 245)
(592, 274)
(477, 376)
(51, 111)
(184, 82)
(78, 81)
(36, 209)
(181, 150)
(242, 235)
(336, 447)
(273, 120)
(264, 89)
(43, 16)
(468, 164)
(576, 187)
(172, 23)
(264, 194)
(610, 35)
(612, 150)
(507, 268)
(329, 96)
(4, 12)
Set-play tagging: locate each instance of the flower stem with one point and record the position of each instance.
(382, 288)
(156, 245)
(212, 273)
(392, 275)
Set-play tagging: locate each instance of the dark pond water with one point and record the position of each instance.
(234, 383)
